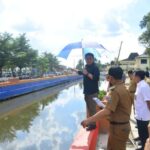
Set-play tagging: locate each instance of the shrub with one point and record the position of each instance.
(101, 94)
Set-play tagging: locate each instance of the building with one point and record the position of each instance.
(142, 62)
(129, 63)
(133, 62)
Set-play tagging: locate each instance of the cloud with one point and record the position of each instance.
(87, 24)
(27, 26)
(52, 24)
(113, 26)
(2, 6)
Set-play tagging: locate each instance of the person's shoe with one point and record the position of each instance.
(138, 143)
(91, 127)
(138, 149)
(137, 139)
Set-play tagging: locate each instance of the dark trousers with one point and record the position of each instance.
(90, 105)
(143, 131)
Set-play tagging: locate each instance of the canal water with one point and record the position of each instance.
(48, 124)
(44, 120)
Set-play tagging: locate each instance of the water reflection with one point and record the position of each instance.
(50, 124)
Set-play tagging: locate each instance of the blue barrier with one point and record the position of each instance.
(10, 91)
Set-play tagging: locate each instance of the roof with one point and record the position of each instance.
(131, 57)
(143, 56)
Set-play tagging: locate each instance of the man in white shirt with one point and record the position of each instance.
(142, 106)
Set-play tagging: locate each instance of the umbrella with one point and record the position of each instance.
(85, 46)
(94, 51)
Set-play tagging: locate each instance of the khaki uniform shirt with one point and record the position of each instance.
(147, 80)
(119, 103)
(132, 86)
(132, 89)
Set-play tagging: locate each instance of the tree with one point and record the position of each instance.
(42, 65)
(80, 65)
(17, 52)
(53, 61)
(5, 46)
(23, 55)
(145, 37)
(98, 63)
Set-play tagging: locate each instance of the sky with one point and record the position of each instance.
(51, 24)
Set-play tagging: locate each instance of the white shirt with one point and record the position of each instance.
(142, 95)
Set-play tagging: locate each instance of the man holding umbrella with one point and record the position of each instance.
(90, 81)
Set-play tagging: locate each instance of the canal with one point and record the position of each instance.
(45, 120)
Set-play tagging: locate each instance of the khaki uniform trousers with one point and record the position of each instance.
(118, 136)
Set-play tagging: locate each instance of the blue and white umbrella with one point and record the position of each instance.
(86, 47)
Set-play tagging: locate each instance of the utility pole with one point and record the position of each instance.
(117, 61)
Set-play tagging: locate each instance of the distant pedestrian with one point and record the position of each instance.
(132, 85)
(142, 106)
(147, 72)
(147, 76)
(124, 78)
(91, 88)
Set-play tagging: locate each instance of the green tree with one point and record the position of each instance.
(145, 36)
(42, 65)
(5, 49)
(98, 63)
(53, 61)
(80, 65)
(23, 55)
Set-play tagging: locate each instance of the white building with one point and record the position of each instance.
(129, 63)
(142, 62)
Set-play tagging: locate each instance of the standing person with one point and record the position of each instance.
(147, 77)
(124, 77)
(118, 109)
(142, 106)
(132, 85)
(91, 88)
(147, 72)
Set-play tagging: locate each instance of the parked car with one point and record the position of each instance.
(24, 76)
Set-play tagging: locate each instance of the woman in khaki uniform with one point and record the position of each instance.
(118, 109)
(132, 85)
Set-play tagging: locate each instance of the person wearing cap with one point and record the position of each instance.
(118, 109)
(91, 88)
(132, 85)
(142, 105)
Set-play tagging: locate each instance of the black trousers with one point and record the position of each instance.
(143, 131)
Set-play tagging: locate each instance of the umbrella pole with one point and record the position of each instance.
(82, 53)
(83, 57)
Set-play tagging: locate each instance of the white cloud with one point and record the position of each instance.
(51, 24)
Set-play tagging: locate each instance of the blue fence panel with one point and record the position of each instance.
(24, 88)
